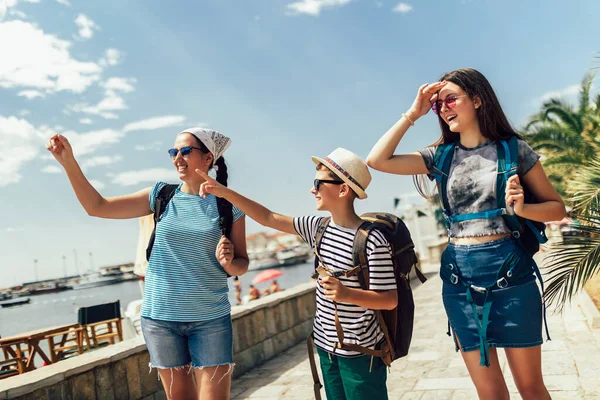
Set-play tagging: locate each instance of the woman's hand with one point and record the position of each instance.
(61, 149)
(334, 289)
(426, 95)
(224, 252)
(210, 185)
(515, 196)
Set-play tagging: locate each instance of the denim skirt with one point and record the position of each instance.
(515, 316)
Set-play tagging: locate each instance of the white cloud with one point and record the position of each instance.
(89, 142)
(86, 26)
(130, 178)
(111, 57)
(63, 2)
(5, 5)
(124, 85)
(155, 123)
(24, 112)
(313, 7)
(86, 121)
(46, 65)
(402, 8)
(17, 13)
(97, 184)
(150, 146)
(571, 90)
(51, 169)
(24, 142)
(31, 94)
(111, 102)
(100, 160)
(11, 229)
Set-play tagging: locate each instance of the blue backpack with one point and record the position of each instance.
(529, 233)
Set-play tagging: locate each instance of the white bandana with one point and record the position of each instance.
(214, 141)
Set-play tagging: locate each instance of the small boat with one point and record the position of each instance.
(15, 302)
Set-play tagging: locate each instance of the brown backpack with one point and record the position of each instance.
(396, 324)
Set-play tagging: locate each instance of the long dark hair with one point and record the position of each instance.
(492, 121)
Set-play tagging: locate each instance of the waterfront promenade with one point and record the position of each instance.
(432, 370)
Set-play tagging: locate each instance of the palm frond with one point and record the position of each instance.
(585, 190)
(570, 264)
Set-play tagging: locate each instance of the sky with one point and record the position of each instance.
(285, 79)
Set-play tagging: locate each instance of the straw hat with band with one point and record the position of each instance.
(349, 168)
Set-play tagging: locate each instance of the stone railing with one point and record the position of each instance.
(262, 329)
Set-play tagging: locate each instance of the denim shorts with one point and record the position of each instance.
(515, 318)
(195, 344)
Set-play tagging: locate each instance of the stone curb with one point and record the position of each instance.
(591, 313)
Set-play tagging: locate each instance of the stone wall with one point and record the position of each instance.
(262, 329)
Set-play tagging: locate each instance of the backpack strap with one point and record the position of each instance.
(323, 222)
(442, 162)
(313, 367)
(163, 197)
(361, 270)
(225, 216)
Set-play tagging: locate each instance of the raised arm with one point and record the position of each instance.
(128, 206)
(382, 156)
(254, 210)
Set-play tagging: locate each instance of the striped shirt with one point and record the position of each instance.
(360, 324)
(184, 281)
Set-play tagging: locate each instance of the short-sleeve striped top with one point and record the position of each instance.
(184, 280)
(360, 324)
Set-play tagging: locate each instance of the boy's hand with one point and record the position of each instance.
(334, 289)
(210, 185)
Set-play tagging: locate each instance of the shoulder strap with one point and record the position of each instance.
(313, 367)
(507, 166)
(163, 197)
(442, 162)
(323, 222)
(225, 216)
(359, 255)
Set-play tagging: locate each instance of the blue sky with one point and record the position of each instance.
(285, 79)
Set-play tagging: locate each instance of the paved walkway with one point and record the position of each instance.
(432, 370)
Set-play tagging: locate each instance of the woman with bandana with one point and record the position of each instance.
(186, 318)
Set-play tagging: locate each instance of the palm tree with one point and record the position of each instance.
(571, 263)
(566, 137)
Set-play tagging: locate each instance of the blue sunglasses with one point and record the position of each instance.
(185, 151)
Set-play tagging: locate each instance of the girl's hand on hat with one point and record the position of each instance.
(225, 252)
(515, 195)
(334, 289)
(210, 185)
(60, 148)
(427, 94)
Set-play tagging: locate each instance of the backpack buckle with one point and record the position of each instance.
(502, 283)
(454, 279)
(478, 289)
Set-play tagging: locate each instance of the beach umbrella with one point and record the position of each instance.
(266, 275)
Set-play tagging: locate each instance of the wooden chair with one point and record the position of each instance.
(14, 360)
(70, 344)
(97, 323)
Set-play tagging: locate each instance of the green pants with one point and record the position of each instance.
(348, 378)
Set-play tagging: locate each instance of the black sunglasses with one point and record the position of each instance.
(185, 151)
(317, 183)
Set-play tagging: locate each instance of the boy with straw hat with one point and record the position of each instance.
(340, 178)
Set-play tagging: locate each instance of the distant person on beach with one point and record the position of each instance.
(489, 290)
(254, 293)
(186, 318)
(274, 287)
(340, 179)
(238, 290)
